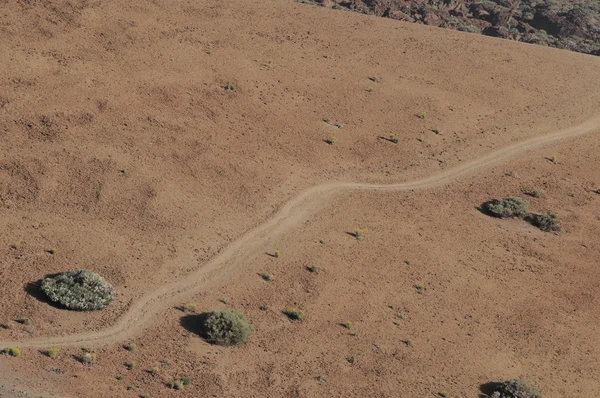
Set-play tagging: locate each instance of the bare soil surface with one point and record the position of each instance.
(124, 152)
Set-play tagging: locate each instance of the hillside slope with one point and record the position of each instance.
(123, 150)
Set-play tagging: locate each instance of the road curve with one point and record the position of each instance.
(298, 209)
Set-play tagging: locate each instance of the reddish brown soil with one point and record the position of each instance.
(90, 89)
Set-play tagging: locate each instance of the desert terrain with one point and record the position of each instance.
(169, 146)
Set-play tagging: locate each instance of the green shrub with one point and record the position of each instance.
(506, 208)
(226, 327)
(79, 289)
(517, 388)
(547, 222)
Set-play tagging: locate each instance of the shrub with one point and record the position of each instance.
(226, 327)
(294, 314)
(313, 269)
(79, 289)
(130, 347)
(188, 307)
(186, 381)
(88, 358)
(394, 138)
(267, 276)
(130, 365)
(176, 385)
(517, 388)
(510, 207)
(547, 222)
(11, 351)
(52, 352)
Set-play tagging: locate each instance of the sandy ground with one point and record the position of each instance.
(122, 150)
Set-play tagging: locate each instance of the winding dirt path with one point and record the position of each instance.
(255, 241)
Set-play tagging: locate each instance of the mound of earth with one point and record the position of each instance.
(570, 25)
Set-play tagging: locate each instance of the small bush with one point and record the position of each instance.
(52, 352)
(11, 351)
(267, 276)
(230, 87)
(294, 314)
(130, 347)
(313, 269)
(517, 388)
(506, 208)
(186, 381)
(176, 385)
(79, 289)
(226, 327)
(130, 365)
(547, 222)
(188, 307)
(88, 358)
(332, 140)
(394, 138)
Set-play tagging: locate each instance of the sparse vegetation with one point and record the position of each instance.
(52, 250)
(369, 89)
(80, 290)
(408, 342)
(547, 221)
(295, 314)
(420, 288)
(351, 360)
(347, 324)
(188, 307)
(15, 245)
(536, 194)
(230, 87)
(393, 137)
(120, 377)
(154, 371)
(422, 115)
(512, 206)
(130, 365)
(226, 327)
(186, 381)
(277, 254)
(517, 388)
(52, 352)
(332, 140)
